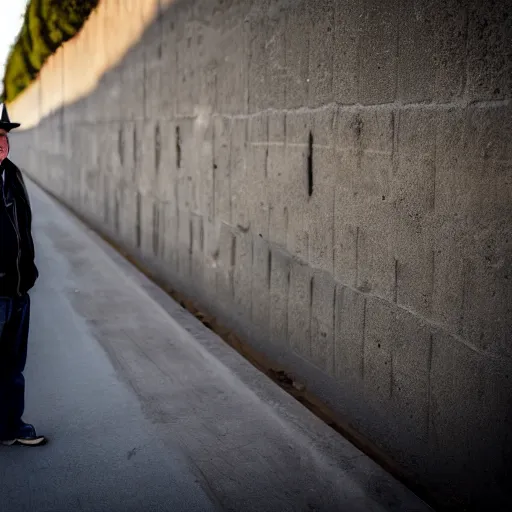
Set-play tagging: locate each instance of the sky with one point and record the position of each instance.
(11, 19)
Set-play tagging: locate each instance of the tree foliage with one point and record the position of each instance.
(47, 25)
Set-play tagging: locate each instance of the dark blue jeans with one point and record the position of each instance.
(14, 320)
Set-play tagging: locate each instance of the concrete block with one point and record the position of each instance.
(376, 263)
(276, 127)
(463, 449)
(184, 245)
(130, 217)
(187, 88)
(279, 291)
(488, 48)
(411, 347)
(487, 191)
(378, 351)
(143, 233)
(297, 57)
(378, 55)
(186, 165)
(417, 52)
(299, 310)
(102, 144)
(348, 155)
(260, 286)
(414, 271)
(319, 212)
(73, 184)
(345, 251)
(169, 222)
(157, 244)
(107, 200)
(347, 29)
(487, 299)
(448, 289)
(298, 237)
(488, 133)
(450, 151)
(197, 255)
(208, 92)
(451, 37)
(205, 171)
(132, 93)
(211, 261)
(279, 179)
(226, 263)
(410, 412)
(376, 135)
(190, 164)
(117, 205)
(257, 171)
(105, 101)
(243, 274)
(98, 192)
(148, 157)
(231, 70)
(168, 72)
(116, 194)
(411, 379)
(397, 351)
(91, 176)
(153, 59)
(139, 143)
(121, 152)
(275, 27)
(322, 322)
(349, 311)
(240, 188)
(258, 60)
(476, 184)
(90, 153)
(298, 128)
(164, 150)
(278, 223)
(414, 181)
(112, 143)
(324, 123)
(321, 51)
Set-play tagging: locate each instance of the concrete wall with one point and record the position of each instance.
(333, 179)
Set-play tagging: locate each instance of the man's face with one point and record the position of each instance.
(4, 145)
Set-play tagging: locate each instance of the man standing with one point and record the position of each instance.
(18, 274)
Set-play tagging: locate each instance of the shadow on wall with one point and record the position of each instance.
(343, 209)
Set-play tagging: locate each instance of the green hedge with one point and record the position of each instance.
(47, 24)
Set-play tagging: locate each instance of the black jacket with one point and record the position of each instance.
(18, 272)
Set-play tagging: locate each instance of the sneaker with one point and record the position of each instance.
(26, 436)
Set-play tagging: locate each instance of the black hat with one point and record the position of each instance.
(5, 122)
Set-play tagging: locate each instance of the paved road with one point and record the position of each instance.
(103, 455)
(149, 411)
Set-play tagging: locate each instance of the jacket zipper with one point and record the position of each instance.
(16, 230)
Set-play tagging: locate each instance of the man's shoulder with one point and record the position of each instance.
(16, 178)
(13, 169)
(8, 164)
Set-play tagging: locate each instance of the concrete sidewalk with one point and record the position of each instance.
(148, 410)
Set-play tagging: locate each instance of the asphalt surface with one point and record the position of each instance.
(146, 410)
(103, 454)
